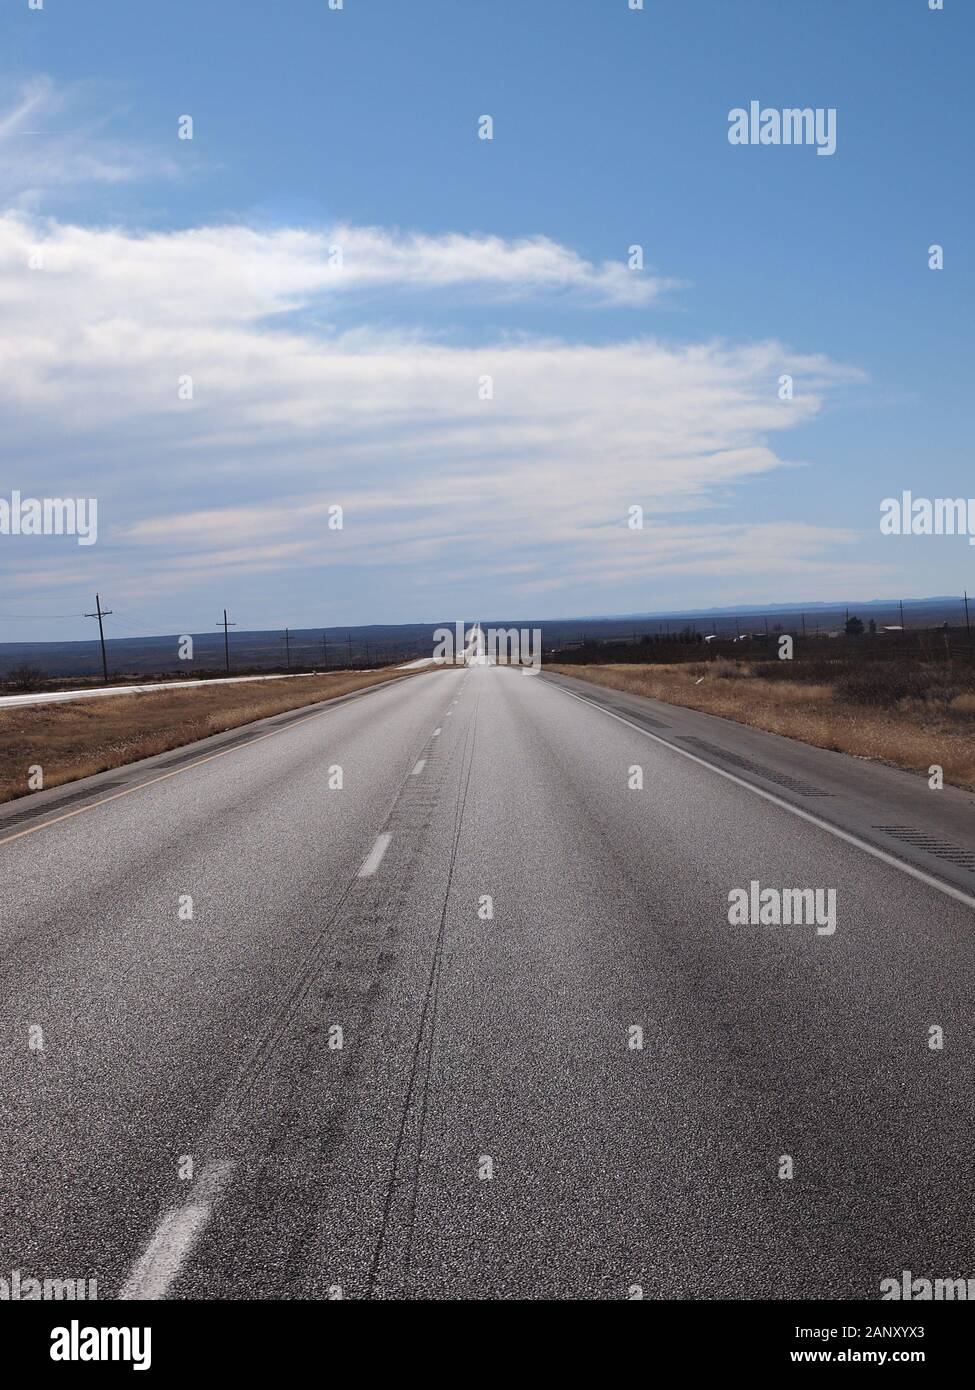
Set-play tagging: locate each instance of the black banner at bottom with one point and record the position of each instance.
(169, 1340)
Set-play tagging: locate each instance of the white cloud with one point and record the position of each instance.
(221, 276)
(290, 416)
(55, 139)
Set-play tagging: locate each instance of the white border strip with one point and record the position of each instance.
(947, 888)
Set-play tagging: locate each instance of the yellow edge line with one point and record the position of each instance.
(163, 776)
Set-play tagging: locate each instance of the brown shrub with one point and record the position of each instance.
(923, 729)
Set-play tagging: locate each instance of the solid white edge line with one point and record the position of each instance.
(419, 767)
(155, 1270)
(374, 858)
(947, 888)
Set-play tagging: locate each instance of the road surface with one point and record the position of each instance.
(177, 1118)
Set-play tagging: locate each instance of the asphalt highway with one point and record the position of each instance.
(395, 1051)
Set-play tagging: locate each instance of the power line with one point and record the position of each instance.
(32, 617)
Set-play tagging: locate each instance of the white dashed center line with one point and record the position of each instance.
(155, 1271)
(436, 732)
(419, 767)
(374, 858)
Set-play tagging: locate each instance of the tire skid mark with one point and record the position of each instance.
(347, 944)
(418, 1084)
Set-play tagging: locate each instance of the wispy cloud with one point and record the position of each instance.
(522, 454)
(55, 138)
(373, 256)
(236, 274)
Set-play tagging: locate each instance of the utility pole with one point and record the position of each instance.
(287, 649)
(902, 614)
(100, 613)
(967, 625)
(325, 651)
(349, 635)
(226, 640)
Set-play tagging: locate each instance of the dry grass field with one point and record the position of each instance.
(910, 714)
(81, 737)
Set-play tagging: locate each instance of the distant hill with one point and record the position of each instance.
(373, 645)
(379, 644)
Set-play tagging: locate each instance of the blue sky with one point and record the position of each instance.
(314, 128)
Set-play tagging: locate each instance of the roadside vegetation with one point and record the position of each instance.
(81, 737)
(900, 709)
